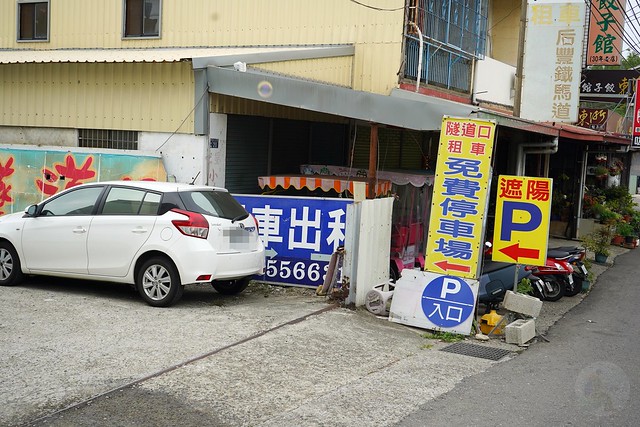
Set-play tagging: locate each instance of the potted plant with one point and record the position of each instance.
(596, 210)
(607, 216)
(601, 172)
(625, 230)
(598, 242)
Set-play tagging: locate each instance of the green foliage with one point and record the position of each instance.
(601, 171)
(443, 336)
(624, 229)
(599, 241)
(588, 263)
(608, 216)
(618, 199)
(630, 62)
(524, 286)
(635, 222)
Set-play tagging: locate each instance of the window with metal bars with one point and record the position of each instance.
(454, 34)
(105, 138)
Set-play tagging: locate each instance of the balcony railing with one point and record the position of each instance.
(453, 33)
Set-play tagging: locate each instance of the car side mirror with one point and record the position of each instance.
(31, 210)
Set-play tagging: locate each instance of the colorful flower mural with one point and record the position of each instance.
(29, 175)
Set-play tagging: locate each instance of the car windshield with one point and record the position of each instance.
(216, 203)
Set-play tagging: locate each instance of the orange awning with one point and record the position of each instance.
(323, 182)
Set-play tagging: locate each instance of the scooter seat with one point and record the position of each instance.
(570, 249)
(553, 253)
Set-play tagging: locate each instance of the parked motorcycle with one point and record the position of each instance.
(576, 256)
(556, 275)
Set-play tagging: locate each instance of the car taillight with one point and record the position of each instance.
(195, 225)
(256, 221)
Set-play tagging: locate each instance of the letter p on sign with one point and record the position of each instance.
(449, 286)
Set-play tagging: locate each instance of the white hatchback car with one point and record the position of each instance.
(158, 236)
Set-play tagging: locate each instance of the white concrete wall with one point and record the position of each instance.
(184, 156)
(38, 136)
(217, 150)
(494, 82)
(367, 245)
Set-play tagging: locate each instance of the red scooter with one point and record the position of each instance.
(556, 275)
(575, 256)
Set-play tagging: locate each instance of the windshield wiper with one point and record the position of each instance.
(239, 217)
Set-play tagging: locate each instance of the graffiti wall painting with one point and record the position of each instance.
(30, 175)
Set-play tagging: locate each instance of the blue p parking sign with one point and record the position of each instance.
(448, 301)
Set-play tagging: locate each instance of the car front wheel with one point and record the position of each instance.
(231, 287)
(158, 282)
(10, 271)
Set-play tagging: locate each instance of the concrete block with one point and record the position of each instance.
(520, 331)
(523, 304)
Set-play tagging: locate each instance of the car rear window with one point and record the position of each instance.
(216, 203)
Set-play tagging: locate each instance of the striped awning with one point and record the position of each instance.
(323, 182)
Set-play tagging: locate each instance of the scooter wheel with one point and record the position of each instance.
(554, 290)
(574, 289)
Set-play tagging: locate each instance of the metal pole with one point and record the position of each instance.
(515, 278)
(520, 65)
(373, 161)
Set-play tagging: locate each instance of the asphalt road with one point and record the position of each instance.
(587, 375)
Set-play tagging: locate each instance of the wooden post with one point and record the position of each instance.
(373, 161)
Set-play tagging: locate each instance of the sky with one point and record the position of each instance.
(631, 39)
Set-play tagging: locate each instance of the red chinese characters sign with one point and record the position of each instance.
(635, 130)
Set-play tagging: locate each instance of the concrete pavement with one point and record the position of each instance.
(78, 353)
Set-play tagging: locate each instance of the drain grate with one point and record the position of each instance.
(475, 350)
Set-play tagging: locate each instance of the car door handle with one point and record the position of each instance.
(139, 230)
(79, 230)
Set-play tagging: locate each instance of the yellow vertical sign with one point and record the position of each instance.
(460, 197)
(523, 208)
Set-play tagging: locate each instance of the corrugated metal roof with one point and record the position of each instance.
(260, 54)
(584, 134)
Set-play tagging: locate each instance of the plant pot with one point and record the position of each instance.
(585, 286)
(628, 239)
(617, 240)
(601, 258)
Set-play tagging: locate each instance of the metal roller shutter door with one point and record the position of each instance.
(247, 153)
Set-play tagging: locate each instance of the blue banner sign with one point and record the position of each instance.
(299, 234)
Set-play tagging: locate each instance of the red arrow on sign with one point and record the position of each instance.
(516, 252)
(446, 266)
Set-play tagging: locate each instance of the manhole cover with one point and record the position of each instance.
(475, 350)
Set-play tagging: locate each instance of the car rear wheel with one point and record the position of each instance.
(231, 287)
(158, 282)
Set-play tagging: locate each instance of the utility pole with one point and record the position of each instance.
(520, 65)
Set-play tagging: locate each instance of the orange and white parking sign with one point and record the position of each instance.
(523, 208)
(460, 197)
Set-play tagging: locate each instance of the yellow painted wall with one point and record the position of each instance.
(377, 34)
(337, 71)
(504, 28)
(131, 96)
